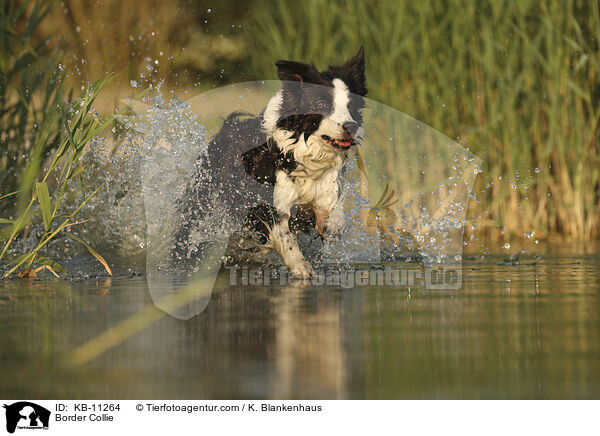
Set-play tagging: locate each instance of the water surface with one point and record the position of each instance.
(512, 331)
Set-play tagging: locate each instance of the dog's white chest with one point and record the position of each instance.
(324, 186)
(315, 180)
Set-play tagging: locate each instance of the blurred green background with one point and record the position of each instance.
(516, 82)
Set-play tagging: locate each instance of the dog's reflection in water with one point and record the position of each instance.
(308, 343)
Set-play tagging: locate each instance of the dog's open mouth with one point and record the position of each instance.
(343, 144)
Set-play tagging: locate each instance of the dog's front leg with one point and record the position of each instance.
(282, 240)
(328, 207)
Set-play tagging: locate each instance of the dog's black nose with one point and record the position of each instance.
(351, 127)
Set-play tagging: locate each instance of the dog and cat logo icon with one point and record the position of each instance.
(26, 415)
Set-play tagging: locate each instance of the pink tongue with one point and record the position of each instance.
(343, 143)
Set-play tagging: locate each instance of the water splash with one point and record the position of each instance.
(407, 189)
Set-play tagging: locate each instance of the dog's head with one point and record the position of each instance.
(324, 104)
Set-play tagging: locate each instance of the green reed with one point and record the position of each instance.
(42, 136)
(31, 92)
(516, 82)
(79, 128)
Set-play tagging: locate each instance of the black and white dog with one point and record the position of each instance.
(295, 151)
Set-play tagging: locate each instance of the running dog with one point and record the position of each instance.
(291, 157)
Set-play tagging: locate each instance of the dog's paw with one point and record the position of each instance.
(335, 223)
(302, 270)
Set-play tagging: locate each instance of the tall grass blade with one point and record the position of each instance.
(44, 201)
(93, 252)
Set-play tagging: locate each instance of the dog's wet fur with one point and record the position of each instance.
(295, 150)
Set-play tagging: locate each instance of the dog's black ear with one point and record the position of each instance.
(358, 61)
(296, 71)
(354, 72)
